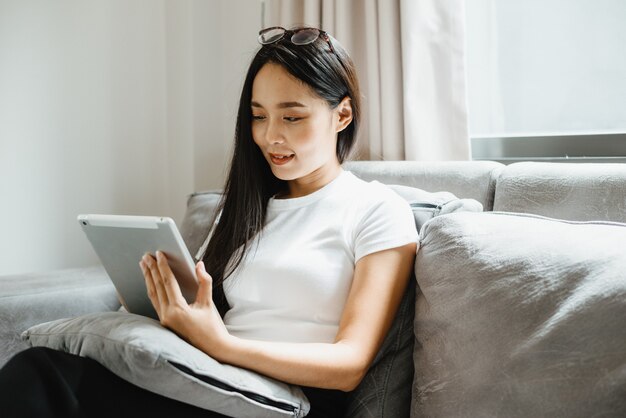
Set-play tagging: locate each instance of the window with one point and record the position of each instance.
(547, 79)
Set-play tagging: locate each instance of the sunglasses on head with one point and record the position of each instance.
(298, 36)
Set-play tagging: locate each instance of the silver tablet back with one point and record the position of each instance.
(120, 241)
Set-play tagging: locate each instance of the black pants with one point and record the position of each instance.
(41, 382)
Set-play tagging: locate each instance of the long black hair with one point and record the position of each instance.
(330, 73)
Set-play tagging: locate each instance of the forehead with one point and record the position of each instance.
(274, 84)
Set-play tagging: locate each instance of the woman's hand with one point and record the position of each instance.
(199, 323)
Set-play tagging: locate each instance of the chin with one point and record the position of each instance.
(283, 175)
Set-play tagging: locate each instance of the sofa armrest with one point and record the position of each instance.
(29, 299)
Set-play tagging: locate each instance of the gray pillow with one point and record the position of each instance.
(195, 227)
(520, 315)
(141, 351)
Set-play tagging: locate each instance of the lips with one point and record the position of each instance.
(280, 159)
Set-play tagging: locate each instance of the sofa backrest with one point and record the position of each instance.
(570, 191)
(464, 179)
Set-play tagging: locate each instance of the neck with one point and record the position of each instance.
(311, 182)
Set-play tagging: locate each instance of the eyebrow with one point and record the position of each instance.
(282, 105)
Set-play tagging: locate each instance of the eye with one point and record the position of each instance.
(258, 117)
(291, 119)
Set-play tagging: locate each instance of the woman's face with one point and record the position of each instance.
(294, 128)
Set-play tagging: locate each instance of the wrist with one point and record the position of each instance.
(229, 348)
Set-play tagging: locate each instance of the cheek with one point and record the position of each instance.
(257, 133)
(314, 134)
(305, 133)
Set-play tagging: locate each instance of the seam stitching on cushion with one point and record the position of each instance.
(535, 216)
(60, 290)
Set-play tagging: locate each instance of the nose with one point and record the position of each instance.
(274, 134)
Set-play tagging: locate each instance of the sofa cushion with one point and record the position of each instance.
(29, 299)
(465, 179)
(520, 315)
(195, 226)
(577, 192)
(141, 351)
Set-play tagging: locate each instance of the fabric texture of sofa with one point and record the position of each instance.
(517, 311)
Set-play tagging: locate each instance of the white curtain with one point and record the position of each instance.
(434, 78)
(410, 58)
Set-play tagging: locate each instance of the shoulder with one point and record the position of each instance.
(373, 194)
(374, 203)
(382, 219)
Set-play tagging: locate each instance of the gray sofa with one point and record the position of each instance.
(480, 345)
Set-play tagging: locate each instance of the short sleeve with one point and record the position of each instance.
(387, 223)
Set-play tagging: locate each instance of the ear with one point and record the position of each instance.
(344, 112)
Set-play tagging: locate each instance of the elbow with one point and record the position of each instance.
(356, 364)
(351, 385)
(351, 379)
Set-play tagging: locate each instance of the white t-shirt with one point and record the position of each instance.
(293, 287)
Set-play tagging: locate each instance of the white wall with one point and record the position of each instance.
(111, 106)
(225, 40)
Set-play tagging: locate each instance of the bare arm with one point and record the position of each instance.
(380, 280)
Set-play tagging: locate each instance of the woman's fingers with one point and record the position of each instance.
(170, 285)
(152, 293)
(157, 280)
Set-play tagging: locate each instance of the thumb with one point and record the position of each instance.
(205, 285)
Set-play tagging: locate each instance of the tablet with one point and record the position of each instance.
(120, 241)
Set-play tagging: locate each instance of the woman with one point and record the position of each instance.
(307, 262)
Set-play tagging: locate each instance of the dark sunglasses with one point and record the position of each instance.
(299, 36)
